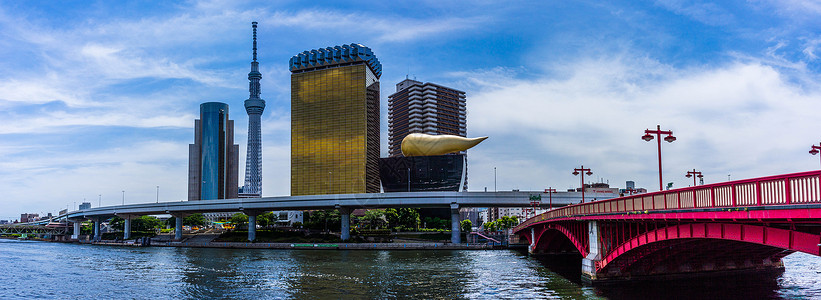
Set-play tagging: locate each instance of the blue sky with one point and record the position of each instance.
(97, 98)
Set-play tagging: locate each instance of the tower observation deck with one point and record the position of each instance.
(254, 106)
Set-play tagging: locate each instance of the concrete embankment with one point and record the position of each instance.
(315, 246)
(327, 246)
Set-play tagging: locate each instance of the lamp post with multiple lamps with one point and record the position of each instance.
(648, 136)
(550, 191)
(582, 171)
(694, 174)
(535, 201)
(815, 149)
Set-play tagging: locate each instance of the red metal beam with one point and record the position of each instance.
(776, 237)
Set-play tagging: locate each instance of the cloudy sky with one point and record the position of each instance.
(97, 98)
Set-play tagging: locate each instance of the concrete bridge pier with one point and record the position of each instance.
(75, 235)
(455, 228)
(252, 223)
(589, 261)
(252, 227)
(532, 247)
(126, 227)
(345, 230)
(97, 222)
(178, 227)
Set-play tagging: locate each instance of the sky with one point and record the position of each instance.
(98, 99)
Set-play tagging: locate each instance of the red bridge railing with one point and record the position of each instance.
(788, 189)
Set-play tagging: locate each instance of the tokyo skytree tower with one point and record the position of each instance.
(254, 106)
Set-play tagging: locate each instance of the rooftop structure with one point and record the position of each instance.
(335, 121)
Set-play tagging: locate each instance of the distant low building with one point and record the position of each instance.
(4, 222)
(218, 216)
(85, 205)
(288, 218)
(28, 217)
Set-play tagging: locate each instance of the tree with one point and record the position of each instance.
(504, 222)
(194, 220)
(466, 225)
(392, 217)
(239, 219)
(374, 218)
(402, 217)
(491, 226)
(324, 219)
(117, 223)
(507, 222)
(436, 223)
(145, 223)
(267, 219)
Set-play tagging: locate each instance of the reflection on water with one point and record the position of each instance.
(52, 270)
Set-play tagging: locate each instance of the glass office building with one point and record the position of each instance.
(213, 158)
(335, 121)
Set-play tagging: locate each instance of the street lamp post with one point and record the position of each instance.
(534, 201)
(581, 170)
(550, 192)
(494, 179)
(815, 149)
(648, 136)
(158, 194)
(694, 174)
(123, 197)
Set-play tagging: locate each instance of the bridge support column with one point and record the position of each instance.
(178, 227)
(97, 223)
(345, 230)
(589, 262)
(252, 227)
(455, 228)
(532, 247)
(127, 227)
(75, 235)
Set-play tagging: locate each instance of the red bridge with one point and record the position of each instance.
(739, 225)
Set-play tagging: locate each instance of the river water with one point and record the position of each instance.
(71, 271)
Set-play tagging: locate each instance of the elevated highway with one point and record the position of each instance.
(345, 203)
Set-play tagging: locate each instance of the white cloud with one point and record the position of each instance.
(706, 12)
(384, 29)
(742, 118)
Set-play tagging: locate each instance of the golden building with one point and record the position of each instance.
(335, 121)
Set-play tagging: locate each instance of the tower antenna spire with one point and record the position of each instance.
(254, 106)
(254, 25)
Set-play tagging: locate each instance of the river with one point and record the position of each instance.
(32, 269)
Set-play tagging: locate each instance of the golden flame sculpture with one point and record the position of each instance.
(418, 144)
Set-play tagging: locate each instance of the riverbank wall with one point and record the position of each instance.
(310, 246)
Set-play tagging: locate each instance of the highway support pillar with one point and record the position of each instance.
(589, 262)
(97, 222)
(75, 235)
(252, 227)
(345, 230)
(126, 227)
(532, 247)
(455, 228)
(178, 227)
